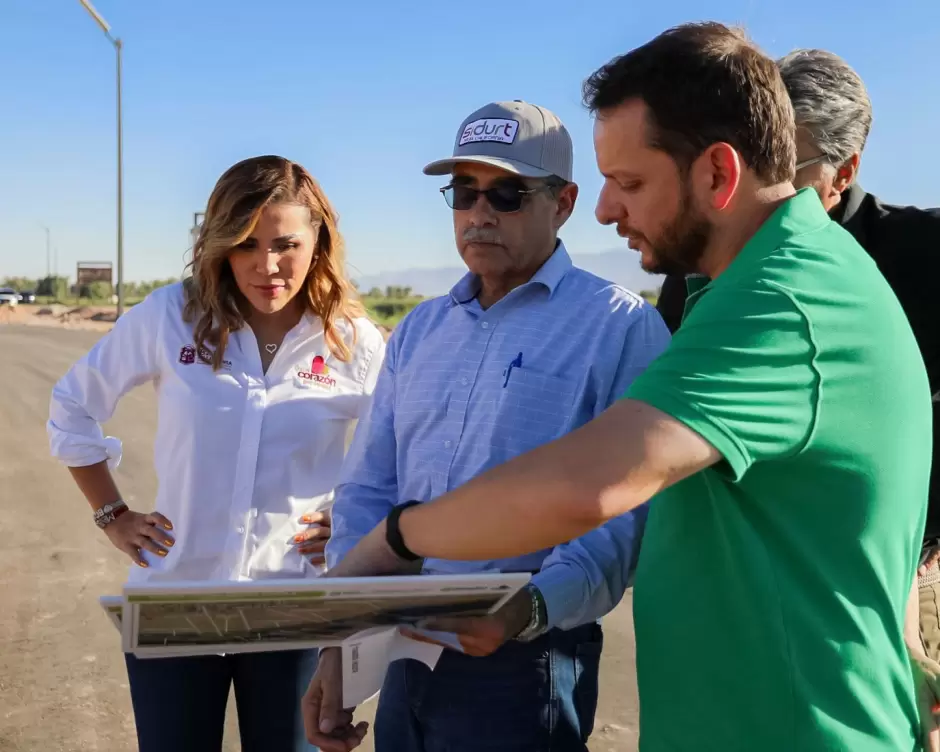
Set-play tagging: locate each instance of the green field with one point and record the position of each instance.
(75, 302)
(389, 311)
(385, 311)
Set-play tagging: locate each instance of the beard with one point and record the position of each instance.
(680, 246)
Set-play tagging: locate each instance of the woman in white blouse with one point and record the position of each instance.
(261, 361)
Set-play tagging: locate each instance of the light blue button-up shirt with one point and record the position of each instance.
(465, 389)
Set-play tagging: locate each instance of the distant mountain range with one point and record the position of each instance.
(621, 266)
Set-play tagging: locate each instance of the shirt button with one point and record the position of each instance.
(485, 324)
(239, 530)
(447, 443)
(465, 381)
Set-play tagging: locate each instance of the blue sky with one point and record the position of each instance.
(364, 93)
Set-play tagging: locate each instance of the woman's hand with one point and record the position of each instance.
(132, 532)
(312, 541)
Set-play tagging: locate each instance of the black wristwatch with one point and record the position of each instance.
(538, 621)
(393, 533)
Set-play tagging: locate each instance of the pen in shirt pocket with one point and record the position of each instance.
(515, 363)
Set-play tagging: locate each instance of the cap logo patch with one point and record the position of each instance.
(499, 130)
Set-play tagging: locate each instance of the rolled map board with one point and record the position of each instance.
(161, 619)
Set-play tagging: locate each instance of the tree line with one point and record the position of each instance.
(59, 287)
(53, 286)
(392, 292)
(391, 303)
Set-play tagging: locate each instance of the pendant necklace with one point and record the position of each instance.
(271, 348)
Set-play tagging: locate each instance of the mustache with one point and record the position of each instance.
(628, 232)
(481, 235)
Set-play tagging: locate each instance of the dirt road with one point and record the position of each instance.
(62, 680)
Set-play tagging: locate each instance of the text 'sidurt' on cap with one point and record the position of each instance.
(516, 136)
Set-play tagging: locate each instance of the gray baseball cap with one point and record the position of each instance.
(516, 136)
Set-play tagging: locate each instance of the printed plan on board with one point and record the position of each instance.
(360, 614)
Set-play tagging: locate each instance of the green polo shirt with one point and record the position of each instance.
(770, 593)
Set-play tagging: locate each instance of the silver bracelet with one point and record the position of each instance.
(536, 625)
(109, 513)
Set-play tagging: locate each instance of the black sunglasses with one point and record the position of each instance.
(504, 196)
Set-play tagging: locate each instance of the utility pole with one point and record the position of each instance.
(48, 253)
(118, 47)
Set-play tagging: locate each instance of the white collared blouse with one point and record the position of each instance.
(240, 454)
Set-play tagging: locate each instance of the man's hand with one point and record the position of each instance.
(927, 685)
(926, 673)
(327, 724)
(482, 635)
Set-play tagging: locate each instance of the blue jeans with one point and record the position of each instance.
(525, 697)
(179, 703)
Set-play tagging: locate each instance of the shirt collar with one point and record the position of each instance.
(846, 213)
(548, 276)
(849, 212)
(799, 214)
(313, 322)
(849, 204)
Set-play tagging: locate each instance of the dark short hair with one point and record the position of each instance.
(704, 83)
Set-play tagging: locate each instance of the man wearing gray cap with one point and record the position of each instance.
(525, 348)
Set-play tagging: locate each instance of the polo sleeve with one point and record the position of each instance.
(741, 372)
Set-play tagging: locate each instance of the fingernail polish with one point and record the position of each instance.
(298, 538)
(168, 542)
(161, 553)
(168, 526)
(306, 518)
(143, 564)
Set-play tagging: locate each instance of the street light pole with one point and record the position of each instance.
(48, 253)
(118, 47)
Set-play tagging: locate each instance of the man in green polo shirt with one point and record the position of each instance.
(772, 586)
(785, 434)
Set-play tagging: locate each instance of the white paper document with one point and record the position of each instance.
(366, 658)
(361, 614)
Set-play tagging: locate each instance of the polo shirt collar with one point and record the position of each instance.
(799, 214)
(549, 276)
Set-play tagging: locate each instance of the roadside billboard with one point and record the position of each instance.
(94, 271)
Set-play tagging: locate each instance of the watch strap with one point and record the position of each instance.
(107, 514)
(538, 621)
(393, 532)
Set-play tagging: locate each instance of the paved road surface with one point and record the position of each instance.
(62, 680)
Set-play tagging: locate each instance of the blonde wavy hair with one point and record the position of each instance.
(214, 304)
